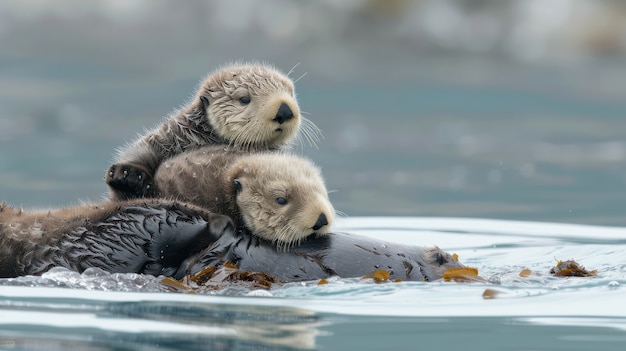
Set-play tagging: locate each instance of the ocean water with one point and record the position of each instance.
(99, 311)
(412, 127)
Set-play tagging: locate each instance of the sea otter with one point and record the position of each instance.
(250, 106)
(276, 196)
(141, 236)
(335, 254)
(162, 237)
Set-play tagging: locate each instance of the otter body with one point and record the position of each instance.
(335, 254)
(249, 106)
(160, 237)
(151, 237)
(278, 197)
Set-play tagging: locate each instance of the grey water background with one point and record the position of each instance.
(489, 109)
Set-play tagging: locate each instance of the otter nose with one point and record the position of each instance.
(284, 114)
(321, 221)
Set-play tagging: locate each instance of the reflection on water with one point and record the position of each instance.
(475, 333)
(59, 324)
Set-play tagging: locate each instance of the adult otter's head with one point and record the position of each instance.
(281, 198)
(251, 106)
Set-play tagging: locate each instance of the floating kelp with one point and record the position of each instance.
(489, 294)
(571, 268)
(213, 278)
(462, 275)
(216, 278)
(379, 276)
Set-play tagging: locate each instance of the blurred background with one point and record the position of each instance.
(493, 109)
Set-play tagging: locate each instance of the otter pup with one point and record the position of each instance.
(278, 197)
(140, 236)
(250, 106)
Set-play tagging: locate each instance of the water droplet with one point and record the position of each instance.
(167, 165)
(194, 175)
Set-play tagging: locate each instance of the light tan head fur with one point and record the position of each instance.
(281, 198)
(251, 105)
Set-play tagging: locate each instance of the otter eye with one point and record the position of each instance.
(237, 185)
(281, 200)
(244, 100)
(440, 259)
(205, 101)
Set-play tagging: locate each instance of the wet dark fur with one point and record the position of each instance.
(336, 254)
(161, 237)
(151, 237)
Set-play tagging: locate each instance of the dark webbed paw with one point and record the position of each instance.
(128, 181)
(221, 225)
(171, 252)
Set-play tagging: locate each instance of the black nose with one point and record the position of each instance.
(284, 114)
(321, 221)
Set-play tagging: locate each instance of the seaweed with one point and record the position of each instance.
(379, 276)
(461, 274)
(489, 294)
(219, 277)
(571, 268)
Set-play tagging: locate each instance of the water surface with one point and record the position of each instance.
(101, 311)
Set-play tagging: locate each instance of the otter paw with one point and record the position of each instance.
(128, 181)
(174, 247)
(221, 225)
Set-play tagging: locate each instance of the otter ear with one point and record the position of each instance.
(237, 185)
(205, 101)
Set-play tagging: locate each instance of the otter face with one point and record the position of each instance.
(439, 260)
(282, 198)
(251, 106)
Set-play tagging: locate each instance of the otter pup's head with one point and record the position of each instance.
(251, 106)
(281, 198)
